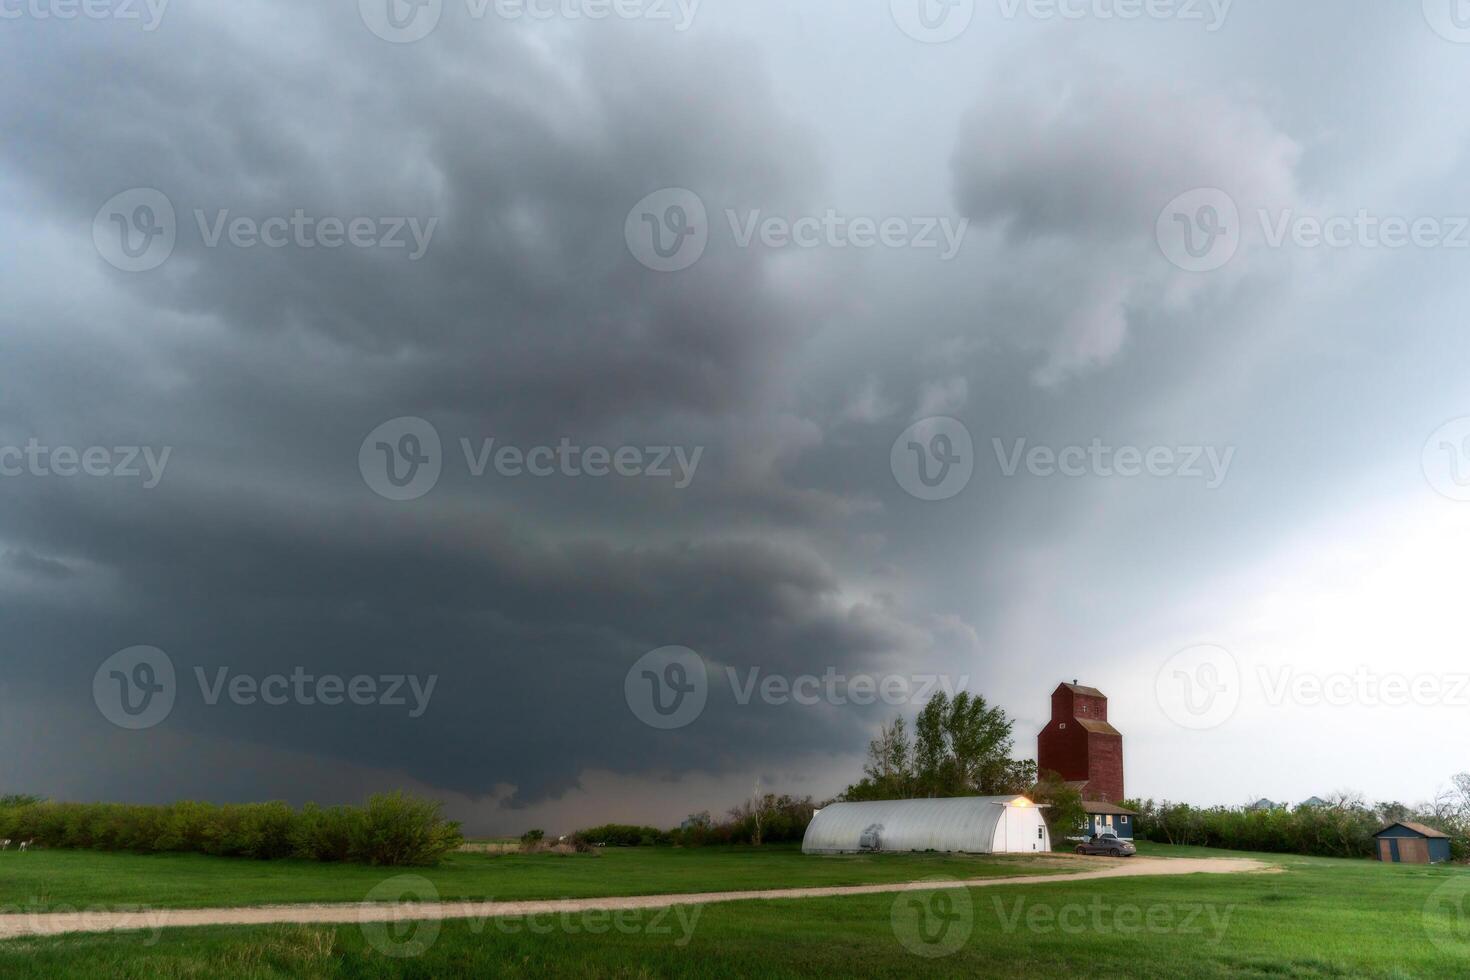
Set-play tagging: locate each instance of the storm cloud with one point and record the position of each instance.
(508, 158)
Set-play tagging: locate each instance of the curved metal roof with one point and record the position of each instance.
(966, 823)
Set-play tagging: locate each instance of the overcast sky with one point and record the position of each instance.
(989, 344)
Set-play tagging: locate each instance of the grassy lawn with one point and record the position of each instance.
(1320, 918)
(81, 878)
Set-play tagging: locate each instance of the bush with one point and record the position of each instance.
(327, 833)
(1344, 830)
(769, 819)
(621, 835)
(391, 830)
(401, 830)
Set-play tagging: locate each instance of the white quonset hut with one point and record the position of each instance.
(968, 824)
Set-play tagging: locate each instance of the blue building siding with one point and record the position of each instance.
(1121, 826)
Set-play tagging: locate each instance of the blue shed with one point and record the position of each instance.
(1406, 842)
(1108, 818)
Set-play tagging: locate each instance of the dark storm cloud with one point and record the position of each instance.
(525, 304)
(526, 318)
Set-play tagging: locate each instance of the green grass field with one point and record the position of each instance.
(1319, 918)
(51, 878)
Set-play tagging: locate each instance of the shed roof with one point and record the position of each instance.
(1091, 692)
(1417, 828)
(1100, 806)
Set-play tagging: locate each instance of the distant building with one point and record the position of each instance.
(1080, 745)
(967, 824)
(1109, 818)
(1265, 804)
(1313, 801)
(1406, 842)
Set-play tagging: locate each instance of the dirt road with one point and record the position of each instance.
(55, 923)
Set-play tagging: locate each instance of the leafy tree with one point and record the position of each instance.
(961, 746)
(1064, 814)
(889, 767)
